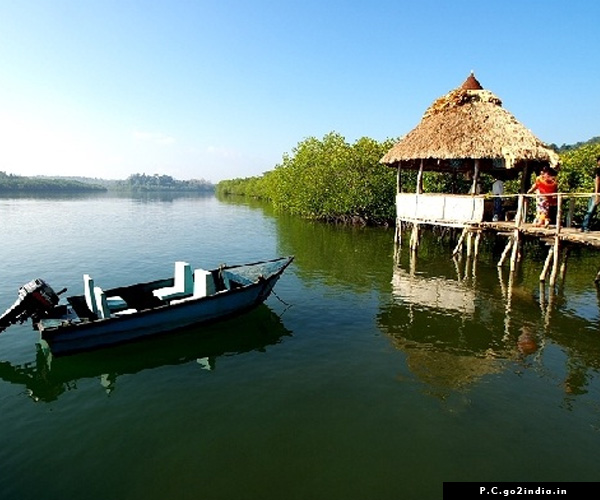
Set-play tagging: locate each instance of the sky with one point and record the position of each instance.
(214, 90)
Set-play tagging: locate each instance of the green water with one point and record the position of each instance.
(362, 377)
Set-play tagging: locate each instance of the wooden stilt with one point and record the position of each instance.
(544, 272)
(398, 240)
(458, 247)
(507, 248)
(555, 261)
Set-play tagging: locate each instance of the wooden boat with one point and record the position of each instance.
(48, 377)
(100, 318)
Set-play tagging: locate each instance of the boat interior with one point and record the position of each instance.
(185, 285)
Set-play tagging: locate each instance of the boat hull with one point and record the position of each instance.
(78, 337)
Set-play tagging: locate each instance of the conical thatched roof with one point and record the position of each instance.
(469, 123)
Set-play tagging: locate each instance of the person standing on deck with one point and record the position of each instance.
(593, 202)
(498, 191)
(546, 187)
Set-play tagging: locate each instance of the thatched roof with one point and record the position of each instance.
(469, 123)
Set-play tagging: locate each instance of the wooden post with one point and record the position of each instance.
(519, 216)
(555, 260)
(458, 246)
(419, 189)
(475, 177)
(525, 185)
(399, 179)
(526, 178)
(558, 213)
(398, 233)
(515, 255)
(570, 212)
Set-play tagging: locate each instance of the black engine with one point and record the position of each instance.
(36, 298)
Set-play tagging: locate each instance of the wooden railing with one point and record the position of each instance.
(564, 215)
(453, 209)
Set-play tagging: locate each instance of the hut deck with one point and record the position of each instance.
(566, 234)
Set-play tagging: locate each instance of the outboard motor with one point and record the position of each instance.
(36, 298)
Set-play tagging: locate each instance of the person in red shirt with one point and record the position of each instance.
(546, 187)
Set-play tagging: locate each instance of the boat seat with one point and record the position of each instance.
(115, 303)
(183, 284)
(102, 305)
(204, 285)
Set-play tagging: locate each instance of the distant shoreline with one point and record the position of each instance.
(137, 183)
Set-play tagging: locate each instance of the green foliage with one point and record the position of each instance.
(577, 170)
(327, 179)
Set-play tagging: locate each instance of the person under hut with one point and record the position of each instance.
(594, 200)
(498, 192)
(546, 187)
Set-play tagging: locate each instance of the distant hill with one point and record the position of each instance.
(94, 181)
(161, 183)
(10, 183)
(569, 147)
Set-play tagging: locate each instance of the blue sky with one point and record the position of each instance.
(222, 89)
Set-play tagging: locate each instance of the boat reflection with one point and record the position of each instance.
(48, 377)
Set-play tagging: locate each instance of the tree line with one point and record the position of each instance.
(135, 183)
(158, 182)
(16, 183)
(329, 179)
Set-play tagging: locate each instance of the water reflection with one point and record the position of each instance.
(457, 326)
(47, 378)
(445, 331)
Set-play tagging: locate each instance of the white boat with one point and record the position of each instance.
(99, 318)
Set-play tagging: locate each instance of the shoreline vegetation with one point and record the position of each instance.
(333, 181)
(326, 179)
(135, 183)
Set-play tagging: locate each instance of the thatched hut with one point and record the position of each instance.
(466, 131)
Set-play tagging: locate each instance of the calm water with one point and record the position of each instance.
(360, 379)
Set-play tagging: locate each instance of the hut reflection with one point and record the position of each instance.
(456, 328)
(453, 334)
